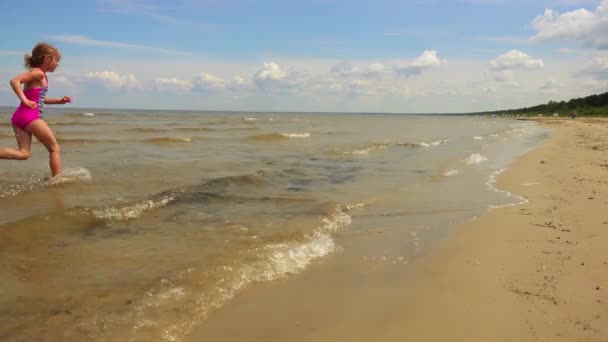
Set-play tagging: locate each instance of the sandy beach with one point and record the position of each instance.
(532, 272)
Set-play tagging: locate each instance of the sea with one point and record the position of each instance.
(160, 218)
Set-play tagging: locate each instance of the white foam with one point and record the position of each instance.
(70, 175)
(276, 261)
(360, 152)
(250, 119)
(132, 211)
(477, 137)
(433, 143)
(450, 172)
(491, 184)
(79, 173)
(88, 114)
(367, 151)
(475, 159)
(355, 206)
(296, 135)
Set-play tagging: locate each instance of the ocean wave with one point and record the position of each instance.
(380, 146)
(86, 141)
(297, 135)
(432, 143)
(146, 129)
(278, 136)
(68, 175)
(193, 129)
(491, 184)
(134, 209)
(366, 150)
(10, 189)
(169, 140)
(475, 159)
(195, 300)
(273, 261)
(450, 172)
(73, 123)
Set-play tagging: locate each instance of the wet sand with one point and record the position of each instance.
(533, 272)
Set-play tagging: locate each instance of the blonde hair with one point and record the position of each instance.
(39, 52)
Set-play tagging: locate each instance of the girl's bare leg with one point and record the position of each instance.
(43, 133)
(24, 143)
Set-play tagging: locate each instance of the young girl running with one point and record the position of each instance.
(28, 118)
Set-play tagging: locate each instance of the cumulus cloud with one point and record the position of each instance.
(112, 80)
(374, 70)
(209, 82)
(349, 70)
(590, 28)
(427, 60)
(515, 59)
(172, 84)
(238, 83)
(345, 69)
(270, 73)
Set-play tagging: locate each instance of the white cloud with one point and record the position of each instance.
(515, 59)
(427, 60)
(590, 28)
(597, 68)
(269, 74)
(209, 82)
(504, 76)
(112, 80)
(551, 85)
(345, 69)
(566, 51)
(172, 84)
(375, 70)
(238, 83)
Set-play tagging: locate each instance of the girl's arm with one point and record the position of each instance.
(32, 76)
(63, 100)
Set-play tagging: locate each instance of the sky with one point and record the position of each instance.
(397, 56)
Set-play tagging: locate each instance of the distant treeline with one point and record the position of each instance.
(594, 105)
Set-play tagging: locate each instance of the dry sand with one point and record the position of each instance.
(533, 272)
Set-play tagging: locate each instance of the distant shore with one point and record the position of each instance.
(532, 272)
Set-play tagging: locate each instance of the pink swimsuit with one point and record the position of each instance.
(25, 115)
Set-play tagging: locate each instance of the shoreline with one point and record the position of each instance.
(533, 272)
(530, 272)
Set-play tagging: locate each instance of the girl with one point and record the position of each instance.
(28, 118)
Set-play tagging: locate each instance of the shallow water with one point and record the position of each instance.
(164, 216)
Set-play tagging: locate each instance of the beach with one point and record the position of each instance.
(530, 272)
(234, 226)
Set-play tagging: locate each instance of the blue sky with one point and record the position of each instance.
(317, 55)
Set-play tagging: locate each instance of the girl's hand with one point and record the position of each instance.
(66, 99)
(30, 103)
